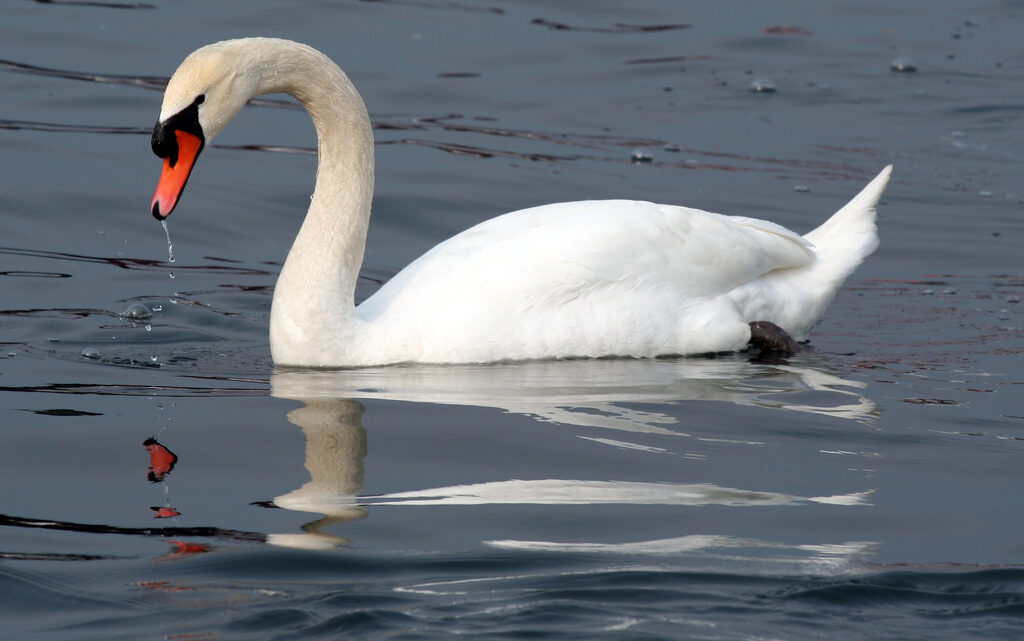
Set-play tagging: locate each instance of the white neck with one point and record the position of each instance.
(314, 298)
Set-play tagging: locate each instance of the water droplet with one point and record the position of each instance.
(928, 292)
(149, 327)
(171, 274)
(174, 301)
(803, 189)
(52, 339)
(137, 311)
(903, 64)
(158, 308)
(1013, 299)
(641, 156)
(984, 193)
(170, 247)
(763, 85)
(91, 353)
(948, 292)
(153, 358)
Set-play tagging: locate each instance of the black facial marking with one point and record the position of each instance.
(165, 144)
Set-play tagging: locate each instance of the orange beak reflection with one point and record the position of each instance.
(175, 174)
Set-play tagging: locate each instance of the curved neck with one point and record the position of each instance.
(316, 286)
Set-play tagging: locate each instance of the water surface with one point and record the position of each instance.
(866, 489)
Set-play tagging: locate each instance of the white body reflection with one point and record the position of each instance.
(718, 553)
(591, 392)
(587, 393)
(572, 492)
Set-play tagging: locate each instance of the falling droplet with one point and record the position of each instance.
(170, 247)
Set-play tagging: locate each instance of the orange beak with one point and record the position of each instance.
(175, 174)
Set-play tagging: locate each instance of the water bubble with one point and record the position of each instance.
(803, 189)
(763, 85)
(641, 156)
(91, 353)
(137, 311)
(903, 64)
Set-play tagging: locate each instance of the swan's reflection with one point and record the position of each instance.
(591, 392)
(574, 392)
(335, 449)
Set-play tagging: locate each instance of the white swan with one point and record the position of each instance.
(578, 279)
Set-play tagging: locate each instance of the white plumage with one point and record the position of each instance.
(577, 279)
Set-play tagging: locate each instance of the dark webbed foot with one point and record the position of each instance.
(769, 337)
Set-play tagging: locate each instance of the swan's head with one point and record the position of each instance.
(209, 89)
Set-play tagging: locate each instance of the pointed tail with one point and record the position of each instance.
(843, 241)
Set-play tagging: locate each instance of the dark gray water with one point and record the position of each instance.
(868, 489)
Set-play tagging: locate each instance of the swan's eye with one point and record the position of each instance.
(200, 99)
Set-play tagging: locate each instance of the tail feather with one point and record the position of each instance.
(844, 240)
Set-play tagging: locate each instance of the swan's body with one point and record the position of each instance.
(578, 279)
